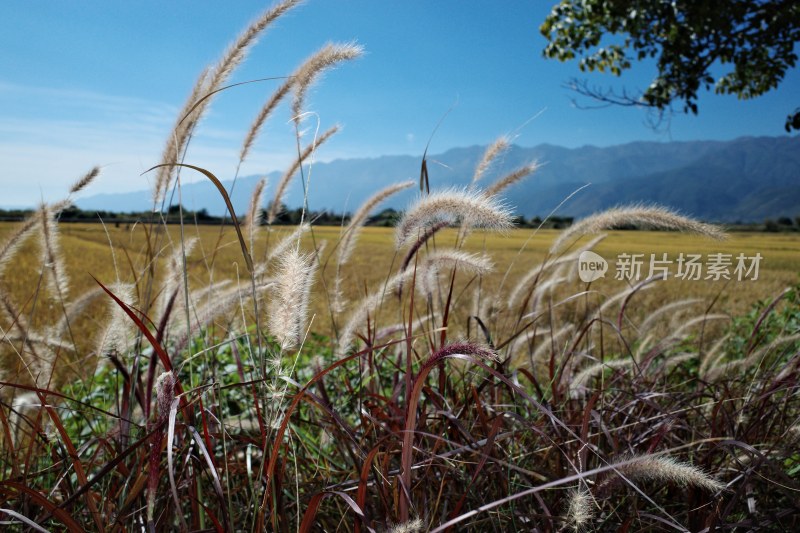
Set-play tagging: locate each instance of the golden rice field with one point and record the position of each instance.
(111, 253)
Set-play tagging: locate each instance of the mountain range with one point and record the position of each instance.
(748, 179)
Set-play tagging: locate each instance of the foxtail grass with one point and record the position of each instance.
(452, 205)
(312, 69)
(209, 82)
(493, 151)
(654, 217)
(289, 304)
(52, 257)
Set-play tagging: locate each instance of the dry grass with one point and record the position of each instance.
(390, 380)
(637, 355)
(86, 251)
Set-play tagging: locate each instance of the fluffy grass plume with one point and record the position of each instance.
(358, 219)
(655, 217)
(288, 307)
(425, 427)
(510, 179)
(306, 73)
(265, 112)
(555, 345)
(579, 509)
(11, 246)
(453, 204)
(497, 148)
(667, 309)
(349, 236)
(254, 216)
(429, 268)
(494, 189)
(212, 80)
(290, 240)
(173, 284)
(528, 282)
(165, 395)
(84, 180)
(327, 57)
(45, 220)
(237, 51)
(52, 258)
(119, 330)
(178, 139)
(366, 307)
(753, 360)
(429, 232)
(580, 381)
(412, 526)
(660, 468)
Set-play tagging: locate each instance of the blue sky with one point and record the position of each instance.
(93, 82)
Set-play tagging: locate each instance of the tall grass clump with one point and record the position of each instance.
(276, 380)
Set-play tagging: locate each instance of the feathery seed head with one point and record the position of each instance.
(327, 57)
(254, 214)
(304, 75)
(668, 470)
(253, 210)
(366, 306)
(461, 348)
(510, 179)
(289, 305)
(165, 392)
(434, 262)
(10, 247)
(578, 384)
(292, 239)
(636, 215)
(579, 510)
(412, 526)
(359, 217)
(451, 205)
(209, 81)
(494, 150)
(52, 258)
(85, 180)
(237, 51)
(120, 329)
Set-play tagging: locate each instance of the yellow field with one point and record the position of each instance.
(87, 253)
(34, 351)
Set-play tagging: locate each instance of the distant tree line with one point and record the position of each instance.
(291, 217)
(286, 217)
(782, 224)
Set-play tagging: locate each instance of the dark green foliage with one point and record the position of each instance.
(793, 121)
(481, 436)
(754, 42)
(764, 324)
(386, 218)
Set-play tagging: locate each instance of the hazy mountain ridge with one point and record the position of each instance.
(748, 179)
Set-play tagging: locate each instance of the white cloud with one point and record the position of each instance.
(50, 137)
